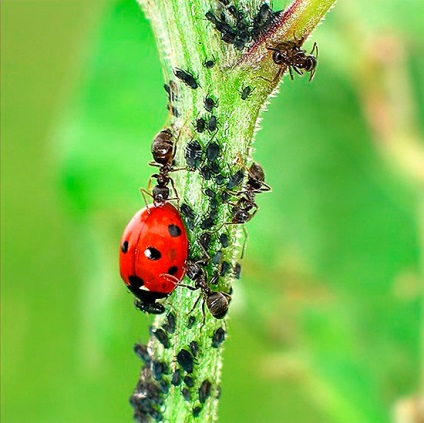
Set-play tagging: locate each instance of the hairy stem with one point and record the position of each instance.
(186, 40)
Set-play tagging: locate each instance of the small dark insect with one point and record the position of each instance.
(209, 104)
(206, 172)
(162, 337)
(215, 168)
(186, 394)
(218, 337)
(143, 353)
(220, 179)
(171, 90)
(205, 240)
(152, 308)
(194, 348)
(171, 323)
(189, 381)
(225, 2)
(237, 270)
(225, 267)
(289, 54)
(187, 211)
(216, 259)
(208, 64)
(187, 78)
(223, 239)
(235, 180)
(200, 125)
(191, 321)
(196, 411)
(245, 93)
(207, 223)
(159, 368)
(185, 360)
(205, 391)
(212, 124)
(164, 386)
(212, 151)
(176, 378)
(193, 154)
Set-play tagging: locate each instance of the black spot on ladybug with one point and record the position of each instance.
(124, 247)
(152, 253)
(135, 282)
(174, 231)
(172, 270)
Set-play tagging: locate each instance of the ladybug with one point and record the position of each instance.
(153, 255)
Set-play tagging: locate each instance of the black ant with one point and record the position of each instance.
(163, 151)
(246, 207)
(291, 55)
(217, 302)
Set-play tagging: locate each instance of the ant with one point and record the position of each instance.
(246, 207)
(291, 55)
(163, 152)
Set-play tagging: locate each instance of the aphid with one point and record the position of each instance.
(176, 378)
(212, 124)
(205, 240)
(162, 337)
(153, 254)
(172, 91)
(215, 168)
(143, 353)
(235, 180)
(205, 391)
(187, 78)
(219, 179)
(159, 368)
(207, 223)
(186, 394)
(189, 381)
(185, 360)
(200, 125)
(245, 93)
(223, 239)
(206, 172)
(289, 54)
(225, 267)
(216, 259)
(191, 321)
(209, 64)
(164, 386)
(209, 104)
(194, 348)
(193, 154)
(196, 411)
(171, 323)
(237, 270)
(212, 151)
(218, 337)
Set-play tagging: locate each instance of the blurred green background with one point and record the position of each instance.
(325, 325)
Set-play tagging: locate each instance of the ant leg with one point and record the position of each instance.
(244, 242)
(315, 49)
(175, 191)
(143, 193)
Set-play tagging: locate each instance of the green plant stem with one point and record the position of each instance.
(186, 40)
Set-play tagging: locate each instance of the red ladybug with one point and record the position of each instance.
(154, 251)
